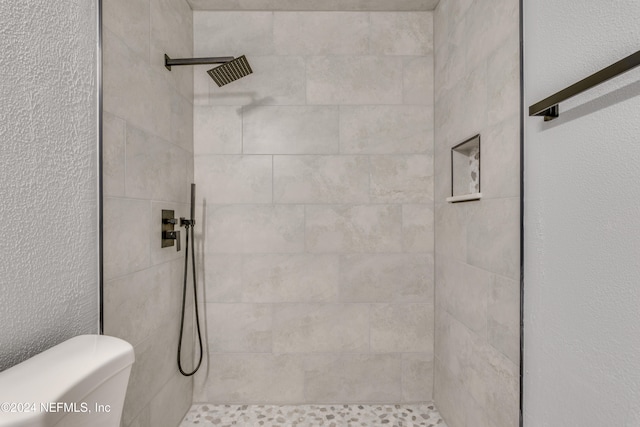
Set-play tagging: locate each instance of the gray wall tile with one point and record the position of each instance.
(126, 244)
(418, 228)
(220, 279)
(290, 130)
(232, 33)
(255, 229)
(237, 327)
(256, 378)
(321, 179)
(113, 155)
(417, 81)
(417, 377)
(377, 129)
(402, 33)
(156, 168)
(348, 123)
(402, 179)
(503, 318)
(290, 278)
(323, 33)
(235, 179)
(306, 328)
(386, 278)
(493, 237)
(463, 291)
(217, 130)
(353, 80)
(360, 228)
(401, 327)
(348, 378)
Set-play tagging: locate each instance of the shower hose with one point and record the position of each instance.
(189, 225)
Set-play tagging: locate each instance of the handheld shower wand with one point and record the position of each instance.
(189, 224)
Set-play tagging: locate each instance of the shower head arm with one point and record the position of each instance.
(168, 62)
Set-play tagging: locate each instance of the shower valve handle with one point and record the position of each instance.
(172, 235)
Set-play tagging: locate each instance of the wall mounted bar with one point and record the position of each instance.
(168, 62)
(548, 107)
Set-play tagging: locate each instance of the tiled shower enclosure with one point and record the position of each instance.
(315, 180)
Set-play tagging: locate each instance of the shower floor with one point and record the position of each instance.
(204, 414)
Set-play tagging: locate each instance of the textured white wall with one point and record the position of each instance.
(48, 255)
(582, 199)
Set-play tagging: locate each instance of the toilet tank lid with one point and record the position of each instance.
(66, 372)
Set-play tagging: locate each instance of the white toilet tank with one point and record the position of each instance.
(78, 383)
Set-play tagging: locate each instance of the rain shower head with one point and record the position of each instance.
(231, 71)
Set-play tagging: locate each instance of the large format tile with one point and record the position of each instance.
(402, 33)
(386, 278)
(126, 242)
(500, 159)
(348, 378)
(417, 377)
(418, 228)
(113, 155)
(493, 237)
(503, 85)
(489, 28)
(168, 407)
(255, 378)
(359, 228)
(327, 5)
(353, 80)
(384, 129)
(128, 79)
(129, 20)
(323, 33)
(153, 367)
(232, 33)
(220, 279)
(236, 327)
(235, 179)
(290, 278)
(503, 317)
(402, 179)
(172, 34)
(255, 229)
(492, 379)
(463, 291)
(452, 398)
(307, 328)
(156, 169)
(290, 130)
(137, 304)
(217, 130)
(451, 222)
(401, 327)
(418, 81)
(454, 343)
(321, 179)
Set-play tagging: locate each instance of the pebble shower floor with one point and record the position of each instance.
(313, 415)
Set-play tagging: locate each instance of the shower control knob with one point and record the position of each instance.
(172, 235)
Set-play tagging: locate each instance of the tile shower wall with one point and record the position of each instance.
(477, 243)
(315, 179)
(148, 166)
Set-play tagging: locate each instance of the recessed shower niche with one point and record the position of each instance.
(465, 171)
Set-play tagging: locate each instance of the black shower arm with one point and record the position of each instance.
(168, 62)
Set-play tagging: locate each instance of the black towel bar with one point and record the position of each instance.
(548, 107)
